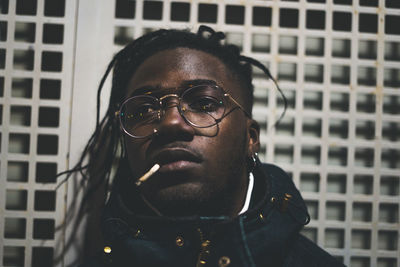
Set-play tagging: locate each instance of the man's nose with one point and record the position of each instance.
(172, 122)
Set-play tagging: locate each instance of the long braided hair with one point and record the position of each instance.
(104, 148)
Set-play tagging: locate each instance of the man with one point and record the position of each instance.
(180, 106)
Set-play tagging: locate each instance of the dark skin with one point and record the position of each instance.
(203, 171)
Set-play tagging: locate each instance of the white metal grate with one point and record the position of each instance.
(337, 61)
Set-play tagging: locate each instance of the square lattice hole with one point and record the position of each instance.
(20, 115)
(13, 256)
(360, 262)
(363, 184)
(53, 33)
(16, 199)
(368, 23)
(54, 8)
(309, 182)
(288, 45)
(24, 32)
(3, 31)
(342, 21)
(392, 51)
(288, 18)
(312, 100)
(47, 144)
(339, 101)
(207, 13)
(341, 48)
(387, 240)
(387, 262)
(365, 129)
(390, 131)
(18, 143)
(312, 207)
(310, 154)
(51, 61)
(23, 59)
(314, 73)
(388, 213)
(334, 238)
(286, 126)
(42, 256)
(391, 104)
(336, 183)
(49, 117)
(315, 46)
(180, 11)
(262, 16)
(310, 233)
(46, 172)
(361, 239)
(123, 35)
(21, 87)
(366, 76)
(340, 74)
(17, 171)
(389, 185)
(284, 153)
(15, 228)
(364, 157)
(337, 156)
(43, 229)
(335, 211)
(390, 158)
(50, 89)
(367, 49)
(366, 103)
(26, 7)
(261, 43)
(152, 10)
(312, 127)
(391, 77)
(315, 19)
(338, 128)
(362, 212)
(45, 200)
(234, 14)
(125, 9)
(235, 38)
(287, 71)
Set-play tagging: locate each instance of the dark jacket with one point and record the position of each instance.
(266, 235)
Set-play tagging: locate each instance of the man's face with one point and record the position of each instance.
(203, 170)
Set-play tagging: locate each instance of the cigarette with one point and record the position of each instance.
(147, 175)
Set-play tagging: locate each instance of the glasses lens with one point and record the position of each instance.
(139, 115)
(203, 105)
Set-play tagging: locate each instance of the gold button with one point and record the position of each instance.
(179, 241)
(107, 249)
(224, 261)
(261, 217)
(205, 243)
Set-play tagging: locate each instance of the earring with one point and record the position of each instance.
(254, 161)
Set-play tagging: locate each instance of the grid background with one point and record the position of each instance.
(337, 61)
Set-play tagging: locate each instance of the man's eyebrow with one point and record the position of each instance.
(150, 89)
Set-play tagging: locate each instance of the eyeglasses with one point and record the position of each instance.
(201, 106)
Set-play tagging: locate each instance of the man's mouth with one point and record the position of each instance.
(176, 159)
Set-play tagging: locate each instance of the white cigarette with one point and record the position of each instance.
(147, 175)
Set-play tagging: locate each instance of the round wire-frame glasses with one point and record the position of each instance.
(201, 106)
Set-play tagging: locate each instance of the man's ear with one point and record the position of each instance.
(253, 131)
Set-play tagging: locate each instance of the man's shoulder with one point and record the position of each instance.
(306, 253)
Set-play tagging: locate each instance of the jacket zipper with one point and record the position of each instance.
(204, 250)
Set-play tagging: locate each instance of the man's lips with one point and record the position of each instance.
(175, 158)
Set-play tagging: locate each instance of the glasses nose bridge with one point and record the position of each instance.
(169, 104)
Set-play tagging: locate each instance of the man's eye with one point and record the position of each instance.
(141, 112)
(205, 104)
